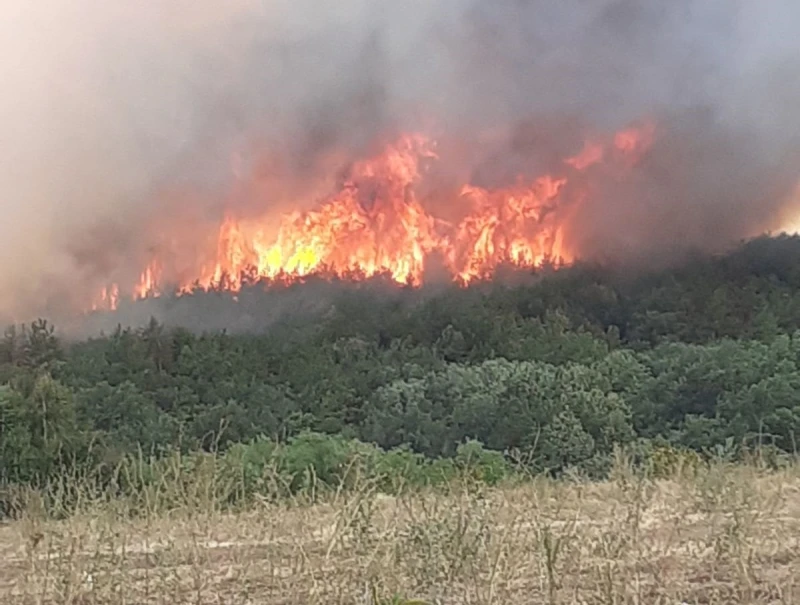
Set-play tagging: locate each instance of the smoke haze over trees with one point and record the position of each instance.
(110, 106)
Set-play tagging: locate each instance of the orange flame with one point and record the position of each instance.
(508, 225)
(376, 224)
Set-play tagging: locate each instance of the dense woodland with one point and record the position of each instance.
(552, 373)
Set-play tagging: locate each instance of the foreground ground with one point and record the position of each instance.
(724, 535)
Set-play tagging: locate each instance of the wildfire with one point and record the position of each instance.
(508, 225)
(376, 223)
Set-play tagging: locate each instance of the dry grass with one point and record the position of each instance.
(726, 534)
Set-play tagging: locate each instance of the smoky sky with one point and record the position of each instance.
(107, 105)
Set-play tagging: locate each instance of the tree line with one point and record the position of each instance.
(554, 372)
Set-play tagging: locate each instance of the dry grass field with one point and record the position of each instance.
(724, 534)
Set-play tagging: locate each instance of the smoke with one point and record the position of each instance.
(120, 117)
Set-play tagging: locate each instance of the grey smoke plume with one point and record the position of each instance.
(107, 105)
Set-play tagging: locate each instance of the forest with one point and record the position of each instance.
(552, 373)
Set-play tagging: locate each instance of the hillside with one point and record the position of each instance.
(581, 435)
(556, 370)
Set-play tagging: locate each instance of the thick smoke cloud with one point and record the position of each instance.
(107, 106)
